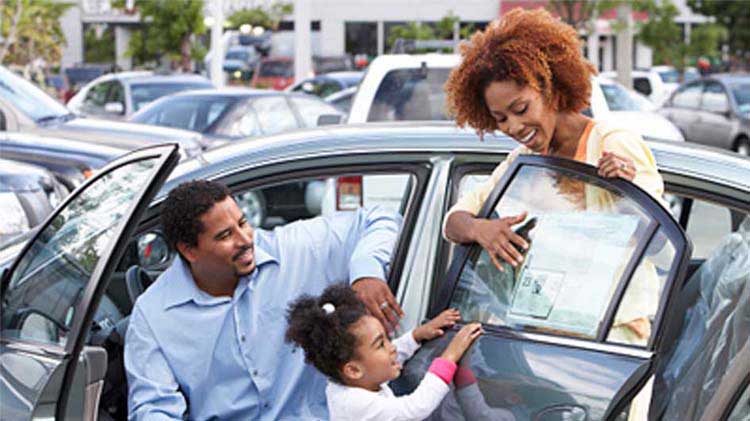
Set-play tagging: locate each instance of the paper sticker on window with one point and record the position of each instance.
(536, 293)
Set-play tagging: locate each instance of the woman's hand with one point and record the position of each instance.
(434, 327)
(501, 242)
(613, 165)
(462, 341)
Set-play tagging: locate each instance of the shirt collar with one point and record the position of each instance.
(182, 287)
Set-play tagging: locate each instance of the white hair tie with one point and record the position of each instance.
(328, 308)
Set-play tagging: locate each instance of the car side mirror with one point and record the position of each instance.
(114, 108)
(153, 251)
(329, 119)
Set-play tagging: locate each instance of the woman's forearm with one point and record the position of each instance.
(460, 227)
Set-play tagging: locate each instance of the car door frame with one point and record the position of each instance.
(656, 212)
(167, 156)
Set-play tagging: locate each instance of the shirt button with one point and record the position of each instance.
(242, 338)
(255, 372)
(266, 405)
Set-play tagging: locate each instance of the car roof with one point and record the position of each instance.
(228, 92)
(729, 77)
(402, 137)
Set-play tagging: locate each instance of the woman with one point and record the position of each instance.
(525, 76)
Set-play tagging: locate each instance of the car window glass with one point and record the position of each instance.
(144, 93)
(279, 204)
(741, 94)
(242, 122)
(618, 98)
(688, 97)
(276, 69)
(40, 302)
(558, 289)
(642, 85)
(410, 94)
(274, 114)
(310, 109)
(98, 94)
(715, 99)
(708, 225)
(31, 100)
(117, 94)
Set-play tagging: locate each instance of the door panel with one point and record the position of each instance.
(532, 380)
(51, 290)
(554, 346)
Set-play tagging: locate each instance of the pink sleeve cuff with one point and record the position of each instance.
(443, 368)
(464, 377)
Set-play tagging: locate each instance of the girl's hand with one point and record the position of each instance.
(497, 237)
(434, 327)
(462, 341)
(613, 165)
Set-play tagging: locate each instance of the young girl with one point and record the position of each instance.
(351, 347)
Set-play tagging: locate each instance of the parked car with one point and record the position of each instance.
(342, 99)
(648, 82)
(631, 110)
(240, 62)
(713, 111)
(329, 64)
(25, 108)
(273, 73)
(71, 162)
(535, 367)
(327, 84)
(672, 77)
(410, 87)
(234, 113)
(115, 96)
(27, 195)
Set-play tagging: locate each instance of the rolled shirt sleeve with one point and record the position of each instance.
(153, 392)
(377, 232)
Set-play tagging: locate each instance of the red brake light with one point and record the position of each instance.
(349, 192)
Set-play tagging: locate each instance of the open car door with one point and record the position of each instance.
(50, 292)
(575, 331)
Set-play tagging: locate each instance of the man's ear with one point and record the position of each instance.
(187, 251)
(352, 371)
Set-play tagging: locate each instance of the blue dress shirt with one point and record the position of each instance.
(225, 357)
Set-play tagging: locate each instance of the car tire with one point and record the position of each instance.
(742, 146)
(253, 205)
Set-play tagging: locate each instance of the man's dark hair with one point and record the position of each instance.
(182, 210)
(324, 336)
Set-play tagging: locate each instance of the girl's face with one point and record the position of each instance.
(522, 113)
(375, 356)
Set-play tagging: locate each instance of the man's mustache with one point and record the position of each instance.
(242, 251)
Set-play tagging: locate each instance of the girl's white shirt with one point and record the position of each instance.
(357, 404)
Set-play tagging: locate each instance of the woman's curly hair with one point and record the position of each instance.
(325, 338)
(529, 47)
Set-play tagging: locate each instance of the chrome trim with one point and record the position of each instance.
(419, 264)
(609, 347)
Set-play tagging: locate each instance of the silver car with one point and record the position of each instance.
(67, 297)
(713, 111)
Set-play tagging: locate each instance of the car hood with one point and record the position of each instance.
(648, 124)
(124, 135)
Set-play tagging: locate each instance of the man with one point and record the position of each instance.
(207, 338)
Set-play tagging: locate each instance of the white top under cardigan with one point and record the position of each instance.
(358, 404)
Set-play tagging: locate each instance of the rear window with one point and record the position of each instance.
(144, 93)
(741, 93)
(195, 113)
(411, 94)
(276, 69)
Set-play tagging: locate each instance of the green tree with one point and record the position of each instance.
(732, 15)
(268, 18)
(168, 28)
(31, 29)
(99, 49)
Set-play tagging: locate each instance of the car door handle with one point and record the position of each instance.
(562, 412)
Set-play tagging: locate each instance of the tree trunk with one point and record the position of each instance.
(185, 64)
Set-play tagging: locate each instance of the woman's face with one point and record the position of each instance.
(522, 113)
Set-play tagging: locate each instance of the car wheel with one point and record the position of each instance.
(253, 205)
(743, 146)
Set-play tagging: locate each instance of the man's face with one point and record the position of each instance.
(225, 246)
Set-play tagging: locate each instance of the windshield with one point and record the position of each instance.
(670, 76)
(619, 99)
(29, 99)
(411, 94)
(144, 93)
(196, 113)
(276, 69)
(741, 94)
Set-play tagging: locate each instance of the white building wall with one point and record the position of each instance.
(72, 28)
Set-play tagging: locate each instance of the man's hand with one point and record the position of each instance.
(379, 300)
(436, 326)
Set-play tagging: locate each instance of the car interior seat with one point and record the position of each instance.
(716, 324)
